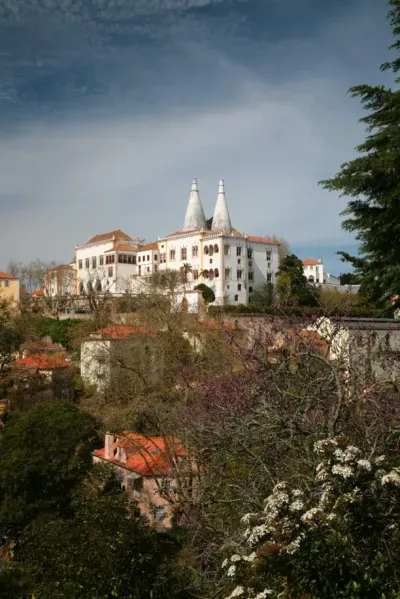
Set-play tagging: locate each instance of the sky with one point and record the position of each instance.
(108, 108)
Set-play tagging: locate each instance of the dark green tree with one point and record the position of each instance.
(372, 180)
(263, 295)
(207, 293)
(292, 286)
(103, 549)
(44, 454)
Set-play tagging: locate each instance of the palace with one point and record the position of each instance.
(206, 251)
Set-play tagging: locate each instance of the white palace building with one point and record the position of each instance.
(207, 251)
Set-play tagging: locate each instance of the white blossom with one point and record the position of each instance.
(236, 592)
(365, 465)
(296, 506)
(231, 571)
(392, 477)
(310, 514)
(263, 594)
(236, 558)
(224, 563)
(294, 545)
(343, 471)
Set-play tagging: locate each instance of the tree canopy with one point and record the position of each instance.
(372, 180)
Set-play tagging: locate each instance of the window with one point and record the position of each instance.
(6, 283)
(195, 251)
(80, 264)
(172, 254)
(195, 275)
(110, 259)
(238, 260)
(206, 249)
(250, 289)
(216, 248)
(211, 260)
(159, 513)
(227, 250)
(236, 298)
(140, 271)
(110, 271)
(87, 263)
(251, 276)
(227, 273)
(268, 264)
(269, 277)
(148, 269)
(216, 273)
(94, 262)
(130, 259)
(239, 287)
(238, 251)
(120, 258)
(211, 274)
(148, 258)
(249, 253)
(250, 263)
(239, 273)
(210, 250)
(155, 257)
(133, 259)
(101, 260)
(269, 255)
(139, 259)
(163, 258)
(183, 253)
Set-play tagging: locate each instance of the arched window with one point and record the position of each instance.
(81, 288)
(211, 250)
(211, 274)
(216, 273)
(206, 249)
(311, 279)
(216, 248)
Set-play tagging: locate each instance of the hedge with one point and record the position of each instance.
(353, 312)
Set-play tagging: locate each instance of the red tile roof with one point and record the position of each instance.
(61, 267)
(148, 456)
(255, 239)
(43, 362)
(148, 246)
(118, 234)
(311, 262)
(4, 275)
(38, 292)
(120, 331)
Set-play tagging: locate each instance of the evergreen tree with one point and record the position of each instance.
(373, 181)
(292, 287)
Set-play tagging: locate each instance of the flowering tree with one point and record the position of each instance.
(340, 539)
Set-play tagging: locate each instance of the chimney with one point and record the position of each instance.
(109, 446)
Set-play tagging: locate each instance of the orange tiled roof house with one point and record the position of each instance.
(147, 468)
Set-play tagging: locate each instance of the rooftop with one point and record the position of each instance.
(123, 247)
(148, 456)
(118, 235)
(312, 262)
(119, 331)
(4, 275)
(267, 240)
(43, 362)
(148, 247)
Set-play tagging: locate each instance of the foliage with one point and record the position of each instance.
(59, 331)
(44, 453)
(292, 287)
(338, 540)
(349, 278)
(263, 295)
(103, 549)
(372, 180)
(30, 274)
(340, 309)
(207, 293)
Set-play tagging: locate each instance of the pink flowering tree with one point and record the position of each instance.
(340, 539)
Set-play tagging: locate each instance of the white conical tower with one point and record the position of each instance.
(194, 218)
(221, 219)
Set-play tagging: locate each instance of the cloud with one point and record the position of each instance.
(129, 126)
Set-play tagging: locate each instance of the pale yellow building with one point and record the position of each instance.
(9, 287)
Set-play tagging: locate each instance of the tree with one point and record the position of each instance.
(337, 540)
(186, 269)
(263, 295)
(292, 287)
(207, 293)
(373, 181)
(31, 275)
(349, 278)
(104, 549)
(44, 453)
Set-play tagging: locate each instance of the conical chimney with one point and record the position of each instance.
(194, 218)
(221, 219)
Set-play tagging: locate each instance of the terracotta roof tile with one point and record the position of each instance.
(118, 234)
(255, 239)
(311, 262)
(148, 456)
(123, 247)
(120, 331)
(38, 293)
(148, 246)
(43, 362)
(4, 275)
